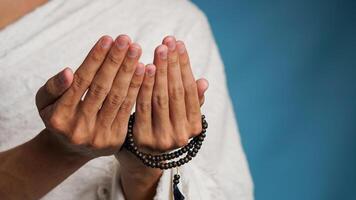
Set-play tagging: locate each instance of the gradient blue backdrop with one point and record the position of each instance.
(291, 68)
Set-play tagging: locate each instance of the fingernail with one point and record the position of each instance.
(133, 52)
(171, 44)
(151, 70)
(181, 48)
(105, 43)
(140, 69)
(163, 52)
(121, 43)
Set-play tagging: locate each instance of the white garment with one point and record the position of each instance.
(60, 33)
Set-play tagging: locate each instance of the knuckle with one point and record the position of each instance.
(55, 122)
(165, 145)
(115, 100)
(144, 106)
(114, 59)
(78, 139)
(88, 113)
(80, 83)
(135, 85)
(126, 106)
(173, 61)
(127, 68)
(147, 85)
(98, 90)
(160, 100)
(97, 56)
(196, 128)
(162, 70)
(176, 93)
(181, 141)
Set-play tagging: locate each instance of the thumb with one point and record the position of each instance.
(202, 85)
(54, 88)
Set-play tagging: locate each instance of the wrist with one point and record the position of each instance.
(28, 166)
(53, 145)
(137, 181)
(131, 165)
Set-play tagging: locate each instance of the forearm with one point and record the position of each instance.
(32, 169)
(137, 181)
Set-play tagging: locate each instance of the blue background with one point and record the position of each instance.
(291, 68)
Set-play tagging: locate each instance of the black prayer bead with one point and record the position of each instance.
(189, 157)
(155, 161)
(176, 176)
(184, 149)
(165, 166)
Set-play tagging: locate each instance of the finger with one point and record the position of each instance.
(175, 85)
(120, 86)
(143, 114)
(160, 106)
(86, 72)
(202, 85)
(190, 87)
(104, 78)
(124, 112)
(54, 88)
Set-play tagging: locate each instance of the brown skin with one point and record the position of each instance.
(96, 126)
(76, 130)
(80, 130)
(68, 143)
(29, 165)
(167, 115)
(12, 10)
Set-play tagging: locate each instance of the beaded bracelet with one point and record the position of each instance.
(163, 161)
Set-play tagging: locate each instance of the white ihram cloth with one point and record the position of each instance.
(60, 33)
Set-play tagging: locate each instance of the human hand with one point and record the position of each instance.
(109, 79)
(168, 106)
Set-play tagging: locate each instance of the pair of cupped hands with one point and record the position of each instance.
(87, 112)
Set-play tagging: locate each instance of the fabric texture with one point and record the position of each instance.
(60, 33)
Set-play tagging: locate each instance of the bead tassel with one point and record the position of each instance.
(162, 161)
(176, 193)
